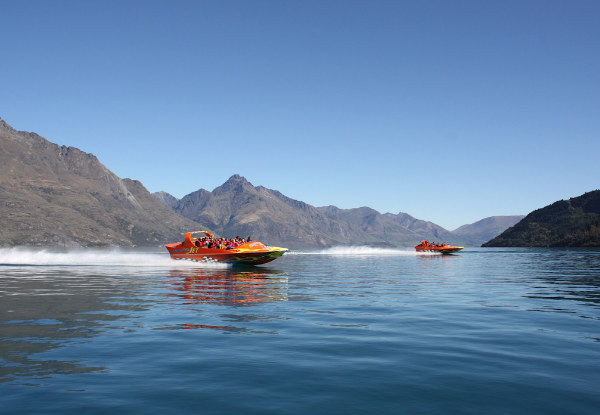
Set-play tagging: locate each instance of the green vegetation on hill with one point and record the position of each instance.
(566, 223)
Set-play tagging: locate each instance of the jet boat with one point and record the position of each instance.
(195, 248)
(425, 246)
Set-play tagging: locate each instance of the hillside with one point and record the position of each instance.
(566, 223)
(54, 195)
(485, 229)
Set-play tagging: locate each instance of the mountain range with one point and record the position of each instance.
(239, 208)
(53, 195)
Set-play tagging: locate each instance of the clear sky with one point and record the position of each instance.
(450, 111)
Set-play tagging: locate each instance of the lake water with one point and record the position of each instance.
(341, 331)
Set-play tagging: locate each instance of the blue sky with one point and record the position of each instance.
(450, 111)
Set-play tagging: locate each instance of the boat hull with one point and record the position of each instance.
(230, 256)
(444, 249)
(448, 250)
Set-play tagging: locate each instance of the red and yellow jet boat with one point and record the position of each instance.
(246, 252)
(425, 246)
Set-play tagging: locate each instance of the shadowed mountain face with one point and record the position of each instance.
(61, 196)
(239, 208)
(566, 223)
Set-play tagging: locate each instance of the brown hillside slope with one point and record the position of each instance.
(54, 195)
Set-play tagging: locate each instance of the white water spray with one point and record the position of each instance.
(96, 257)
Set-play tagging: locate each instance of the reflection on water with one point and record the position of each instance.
(238, 287)
(228, 287)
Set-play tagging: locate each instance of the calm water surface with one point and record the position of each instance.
(341, 331)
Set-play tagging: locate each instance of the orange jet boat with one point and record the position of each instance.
(209, 249)
(425, 246)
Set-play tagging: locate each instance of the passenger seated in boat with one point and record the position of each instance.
(220, 243)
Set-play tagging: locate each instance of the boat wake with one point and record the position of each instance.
(95, 257)
(363, 251)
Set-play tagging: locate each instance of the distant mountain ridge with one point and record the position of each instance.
(565, 223)
(166, 199)
(239, 208)
(54, 195)
(485, 229)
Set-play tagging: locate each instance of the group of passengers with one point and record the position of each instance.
(435, 244)
(220, 243)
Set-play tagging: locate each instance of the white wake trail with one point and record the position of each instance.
(363, 251)
(95, 257)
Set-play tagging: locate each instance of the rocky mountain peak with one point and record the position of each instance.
(5, 126)
(235, 183)
(236, 179)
